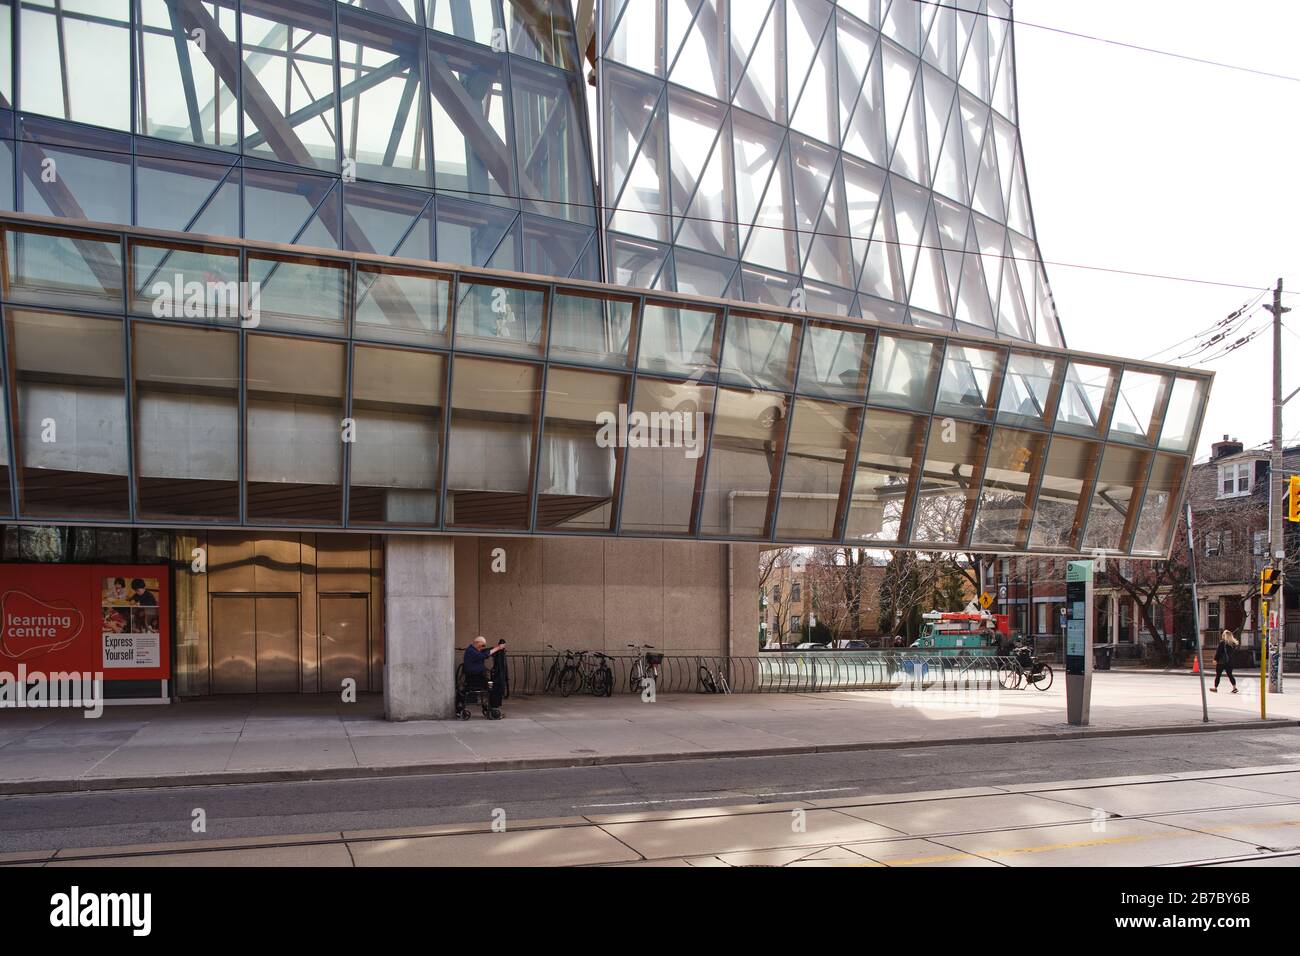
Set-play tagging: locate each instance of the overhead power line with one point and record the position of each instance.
(1186, 57)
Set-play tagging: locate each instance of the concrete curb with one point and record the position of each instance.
(222, 778)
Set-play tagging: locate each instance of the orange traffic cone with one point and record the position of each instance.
(1196, 664)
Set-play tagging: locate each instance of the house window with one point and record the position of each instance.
(795, 626)
(1213, 542)
(1212, 615)
(795, 592)
(776, 593)
(1259, 541)
(1236, 478)
(1227, 542)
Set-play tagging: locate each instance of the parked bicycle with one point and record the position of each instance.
(646, 666)
(586, 671)
(1022, 668)
(711, 681)
(562, 662)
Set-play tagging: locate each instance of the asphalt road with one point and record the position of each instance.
(121, 817)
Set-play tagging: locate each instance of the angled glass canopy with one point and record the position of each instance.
(225, 383)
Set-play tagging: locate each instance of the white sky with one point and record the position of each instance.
(1147, 163)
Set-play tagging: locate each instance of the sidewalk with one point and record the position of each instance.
(239, 740)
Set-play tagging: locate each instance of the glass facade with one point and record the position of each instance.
(434, 130)
(307, 263)
(359, 392)
(850, 157)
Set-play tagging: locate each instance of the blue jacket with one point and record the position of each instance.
(474, 659)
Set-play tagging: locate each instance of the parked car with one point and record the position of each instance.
(851, 645)
(812, 647)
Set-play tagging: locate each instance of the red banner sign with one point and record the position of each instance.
(104, 618)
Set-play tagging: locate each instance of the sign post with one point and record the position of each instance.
(1078, 641)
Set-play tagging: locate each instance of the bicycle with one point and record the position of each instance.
(712, 682)
(1023, 668)
(598, 677)
(558, 667)
(645, 666)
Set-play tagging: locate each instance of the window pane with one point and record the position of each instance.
(543, 30)
(409, 308)
(195, 283)
(75, 58)
(6, 508)
(79, 270)
(554, 165)
(493, 424)
(1058, 515)
(665, 457)
(182, 95)
(71, 416)
(1026, 390)
(471, 122)
(1182, 420)
(822, 435)
(888, 457)
(1083, 398)
(758, 352)
(1159, 517)
(580, 448)
(384, 99)
(748, 432)
(288, 79)
(187, 422)
(834, 362)
(1123, 472)
(591, 329)
(501, 317)
(396, 460)
(295, 438)
(89, 184)
(299, 294)
(1140, 396)
(954, 460)
(1004, 509)
(904, 371)
(677, 340)
(966, 386)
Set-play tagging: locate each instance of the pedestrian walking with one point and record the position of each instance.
(1223, 661)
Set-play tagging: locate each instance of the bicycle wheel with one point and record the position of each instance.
(634, 678)
(706, 680)
(1009, 676)
(569, 682)
(552, 676)
(602, 682)
(1044, 680)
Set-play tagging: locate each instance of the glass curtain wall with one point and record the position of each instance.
(355, 392)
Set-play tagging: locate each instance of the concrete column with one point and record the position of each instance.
(1112, 614)
(419, 627)
(741, 639)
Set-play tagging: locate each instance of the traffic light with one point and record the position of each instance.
(1267, 582)
(1293, 498)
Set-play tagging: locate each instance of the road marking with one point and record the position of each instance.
(777, 793)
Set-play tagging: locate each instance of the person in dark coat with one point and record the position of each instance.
(476, 658)
(1223, 661)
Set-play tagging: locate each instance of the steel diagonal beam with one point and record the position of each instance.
(473, 125)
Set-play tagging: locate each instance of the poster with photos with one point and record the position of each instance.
(130, 627)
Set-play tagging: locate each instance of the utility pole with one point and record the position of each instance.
(1277, 522)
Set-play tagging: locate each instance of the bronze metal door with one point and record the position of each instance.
(255, 644)
(344, 641)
